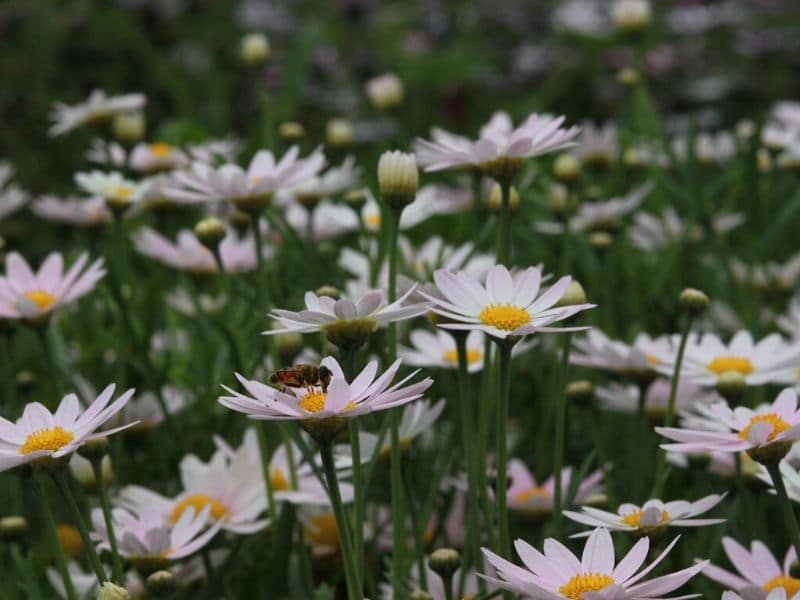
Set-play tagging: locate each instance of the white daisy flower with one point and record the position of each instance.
(650, 232)
(181, 301)
(212, 151)
(39, 434)
(505, 305)
(157, 156)
(789, 322)
(597, 144)
(759, 572)
(334, 181)
(769, 276)
(12, 197)
(97, 107)
(329, 220)
(652, 517)
(618, 397)
(108, 154)
(73, 210)
(417, 418)
(430, 200)
(598, 351)
(110, 186)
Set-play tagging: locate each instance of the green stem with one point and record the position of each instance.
(63, 486)
(351, 575)
(503, 544)
(417, 528)
(358, 500)
(61, 561)
(560, 427)
(503, 251)
(263, 448)
(259, 262)
(211, 577)
(486, 416)
(116, 563)
(790, 519)
(448, 587)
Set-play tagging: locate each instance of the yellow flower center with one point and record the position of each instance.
(473, 356)
(121, 192)
(373, 220)
(533, 492)
(313, 402)
(46, 439)
(721, 364)
(652, 359)
(199, 502)
(505, 316)
(789, 584)
(323, 530)
(634, 519)
(278, 480)
(585, 582)
(69, 538)
(43, 300)
(160, 149)
(778, 426)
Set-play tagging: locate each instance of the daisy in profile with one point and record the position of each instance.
(757, 568)
(320, 530)
(653, 517)
(619, 397)
(189, 254)
(598, 351)
(328, 220)
(707, 357)
(97, 107)
(34, 296)
(118, 192)
(39, 435)
(430, 200)
(86, 585)
(504, 305)
(74, 210)
(501, 149)
(12, 197)
(332, 182)
(150, 544)
(535, 500)
(437, 350)
(557, 573)
(651, 232)
(418, 418)
(597, 145)
(157, 156)
(789, 322)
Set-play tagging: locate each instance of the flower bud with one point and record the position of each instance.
(13, 528)
(339, 133)
(575, 294)
(94, 449)
(566, 168)
(350, 334)
(291, 131)
(161, 584)
(329, 291)
(445, 562)
(83, 472)
(129, 127)
(398, 178)
(581, 391)
(385, 91)
(110, 591)
(496, 199)
(693, 301)
(558, 198)
(631, 16)
(600, 240)
(25, 380)
(210, 231)
(763, 160)
(254, 49)
(628, 76)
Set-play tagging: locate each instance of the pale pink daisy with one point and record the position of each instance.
(157, 156)
(504, 305)
(560, 574)
(97, 107)
(12, 197)
(598, 351)
(34, 296)
(74, 210)
(619, 397)
(758, 570)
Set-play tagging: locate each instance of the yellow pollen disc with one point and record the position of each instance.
(721, 364)
(123, 192)
(789, 584)
(279, 481)
(473, 356)
(160, 149)
(46, 439)
(778, 426)
(69, 538)
(323, 531)
(43, 300)
(373, 220)
(199, 502)
(313, 402)
(633, 519)
(534, 492)
(504, 316)
(585, 582)
(652, 359)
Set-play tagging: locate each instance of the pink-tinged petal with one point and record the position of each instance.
(598, 553)
(666, 583)
(746, 564)
(632, 561)
(499, 284)
(49, 274)
(641, 574)
(338, 395)
(20, 276)
(68, 410)
(533, 559)
(725, 578)
(564, 562)
(333, 366)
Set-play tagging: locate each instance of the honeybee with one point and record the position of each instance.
(303, 375)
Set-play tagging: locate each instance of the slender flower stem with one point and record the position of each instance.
(503, 251)
(63, 485)
(55, 546)
(263, 449)
(448, 587)
(486, 416)
(116, 563)
(503, 543)
(660, 480)
(789, 518)
(208, 566)
(358, 500)
(560, 427)
(351, 576)
(259, 262)
(417, 530)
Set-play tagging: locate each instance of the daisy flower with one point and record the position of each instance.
(770, 427)
(86, 585)
(157, 156)
(597, 144)
(500, 149)
(112, 187)
(707, 357)
(437, 350)
(342, 399)
(618, 397)
(146, 541)
(431, 200)
(319, 530)
(756, 569)
(12, 197)
(323, 313)
(560, 574)
(789, 322)
(651, 232)
(74, 210)
(182, 301)
(598, 351)
(107, 153)
(189, 254)
(535, 500)
(328, 220)
(39, 434)
(709, 148)
(654, 516)
(417, 418)
(334, 181)
(770, 276)
(505, 305)
(34, 296)
(97, 107)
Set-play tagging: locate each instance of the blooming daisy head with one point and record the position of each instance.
(758, 570)
(12, 197)
(557, 573)
(97, 107)
(505, 305)
(618, 397)
(597, 350)
(328, 220)
(85, 584)
(334, 403)
(76, 211)
(334, 181)
(157, 156)
(651, 518)
(41, 436)
(34, 296)
(766, 433)
(118, 192)
(418, 418)
(597, 145)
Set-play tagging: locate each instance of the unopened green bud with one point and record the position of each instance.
(445, 561)
(210, 231)
(693, 301)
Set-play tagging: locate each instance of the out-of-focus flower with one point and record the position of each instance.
(34, 296)
(417, 418)
(320, 530)
(212, 151)
(254, 49)
(85, 584)
(650, 232)
(430, 200)
(772, 276)
(652, 517)
(110, 154)
(146, 410)
(597, 144)
(334, 181)
(625, 398)
(631, 16)
(12, 197)
(157, 156)
(181, 300)
(118, 192)
(328, 220)
(97, 107)
(385, 91)
(74, 210)
(583, 17)
(708, 149)
(757, 569)
(789, 322)
(598, 351)
(39, 435)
